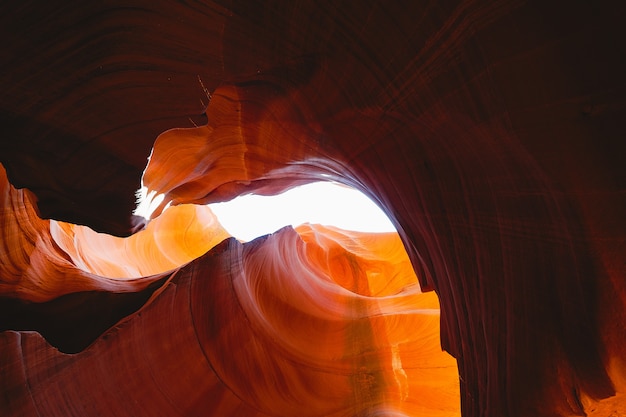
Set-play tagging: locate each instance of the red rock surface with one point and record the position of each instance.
(490, 132)
(251, 329)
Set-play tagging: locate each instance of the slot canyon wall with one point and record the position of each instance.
(490, 132)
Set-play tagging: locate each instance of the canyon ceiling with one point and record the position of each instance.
(490, 132)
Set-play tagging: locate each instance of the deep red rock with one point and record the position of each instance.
(490, 132)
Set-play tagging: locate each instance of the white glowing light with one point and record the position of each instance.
(147, 202)
(248, 217)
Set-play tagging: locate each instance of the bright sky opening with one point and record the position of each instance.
(330, 204)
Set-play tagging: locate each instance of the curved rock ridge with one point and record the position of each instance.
(178, 236)
(44, 259)
(255, 329)
(258, 139)
(369, 264)
(32, 265)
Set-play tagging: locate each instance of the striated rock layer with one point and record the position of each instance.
(254, 329)
(491, 133)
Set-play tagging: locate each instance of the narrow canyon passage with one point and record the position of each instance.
(490, 134)
(321, 315)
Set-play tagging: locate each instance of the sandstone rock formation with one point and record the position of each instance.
(490, 132)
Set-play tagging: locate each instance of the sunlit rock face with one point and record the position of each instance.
(490, 132)
(34, 267)
(179, 236)
(254, 329)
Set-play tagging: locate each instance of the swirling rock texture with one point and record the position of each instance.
(490, 132)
